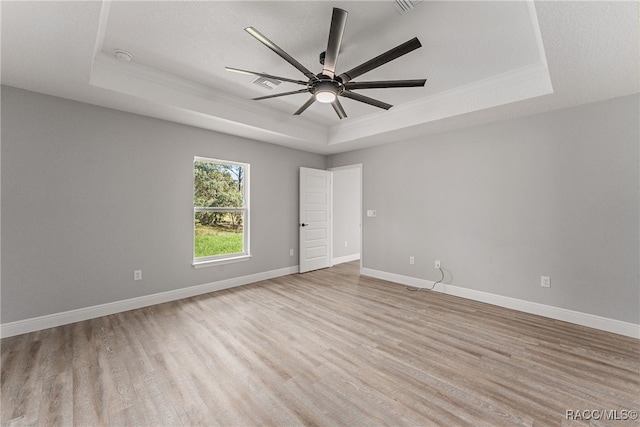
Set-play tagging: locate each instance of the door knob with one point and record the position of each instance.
(303, 225)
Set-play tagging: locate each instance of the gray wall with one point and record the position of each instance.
(554, 194)
(346, 212)
(90, 194)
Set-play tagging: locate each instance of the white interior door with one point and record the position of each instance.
(315, 219)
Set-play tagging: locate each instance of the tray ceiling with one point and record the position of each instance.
(477, 57)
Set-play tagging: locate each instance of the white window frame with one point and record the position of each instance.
(226, 258)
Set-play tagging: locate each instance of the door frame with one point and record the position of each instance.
(360, 167)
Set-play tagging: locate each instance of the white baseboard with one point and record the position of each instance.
(579, 318)
(343, 259)
(57, 319)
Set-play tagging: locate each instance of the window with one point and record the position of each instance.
(220, 211)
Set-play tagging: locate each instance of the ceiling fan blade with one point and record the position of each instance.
(379, 60)
(275, 95)
(305, 106)
(366, 99)
(284, 55)
(269, 76)
(385, 84)
(339, 110)
(338, 22)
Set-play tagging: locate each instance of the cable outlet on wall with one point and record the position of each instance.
(137, 275)
(436, 264)
(545, 281)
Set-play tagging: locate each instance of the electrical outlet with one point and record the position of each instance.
(437, 264)
(137, 275)
(545, 281)
(346, 244)
(290, 252)
(412, 260)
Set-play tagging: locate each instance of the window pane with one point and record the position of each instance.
(220, 203)
(218, 233)
(218, 184)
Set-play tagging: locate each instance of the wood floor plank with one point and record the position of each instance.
(56, 406)
(328, 347)
(22, 385)
(116, 384)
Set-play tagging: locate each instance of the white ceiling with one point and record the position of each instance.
(483, 61)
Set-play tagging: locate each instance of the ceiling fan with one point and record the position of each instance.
(326, 87)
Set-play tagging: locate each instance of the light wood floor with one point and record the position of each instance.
(326, 348)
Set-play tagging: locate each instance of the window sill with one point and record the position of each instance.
(214, 262)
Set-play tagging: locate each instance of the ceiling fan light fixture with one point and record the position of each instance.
(325, 96)
(326, 92)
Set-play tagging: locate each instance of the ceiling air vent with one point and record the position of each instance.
(267, 83)
(404, 6)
